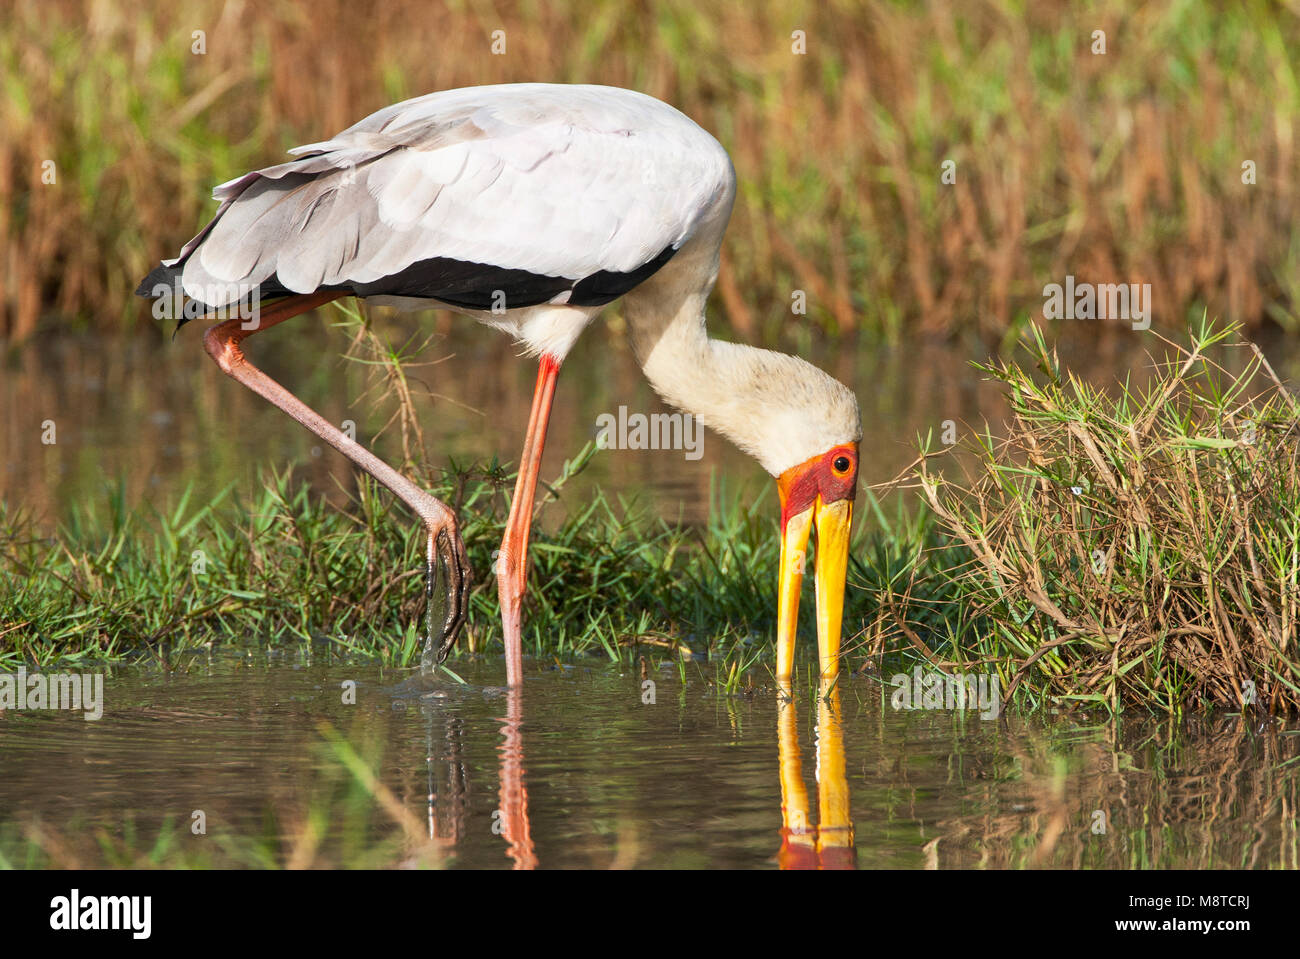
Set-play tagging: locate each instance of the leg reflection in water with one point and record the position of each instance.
(448, 798)
(829, 843)
(511, 817)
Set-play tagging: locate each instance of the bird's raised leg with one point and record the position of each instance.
(222, 343)
(512, 560)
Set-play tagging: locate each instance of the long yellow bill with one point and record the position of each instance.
(833, 521)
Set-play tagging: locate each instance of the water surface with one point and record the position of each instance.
(582, 770)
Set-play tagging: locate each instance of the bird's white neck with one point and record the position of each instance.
(778, 408)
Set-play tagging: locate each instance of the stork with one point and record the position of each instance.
(531, 207)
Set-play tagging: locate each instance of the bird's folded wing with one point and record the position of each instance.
(560, 182)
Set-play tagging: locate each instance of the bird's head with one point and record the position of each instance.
(803, 425)
(816, 493)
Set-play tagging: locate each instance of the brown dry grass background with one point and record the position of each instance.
(1117, 168)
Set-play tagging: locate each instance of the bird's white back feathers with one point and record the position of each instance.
(557, 180)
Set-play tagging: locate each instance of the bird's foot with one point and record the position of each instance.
(446, 551)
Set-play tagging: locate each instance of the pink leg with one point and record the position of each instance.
(222, 343)
(512, 560)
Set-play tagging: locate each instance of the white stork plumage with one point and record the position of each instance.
(531, 207)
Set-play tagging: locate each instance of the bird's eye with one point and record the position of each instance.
(841, 464)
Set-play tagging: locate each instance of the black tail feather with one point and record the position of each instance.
(160, 276)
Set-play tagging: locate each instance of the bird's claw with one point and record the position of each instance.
(452, 556)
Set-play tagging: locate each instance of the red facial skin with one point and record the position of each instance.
(800, 485)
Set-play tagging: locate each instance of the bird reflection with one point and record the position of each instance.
(511, 817)
(448, 778)
(829, 843)
(448, 795)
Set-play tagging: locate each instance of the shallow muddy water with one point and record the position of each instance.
(590, 767)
